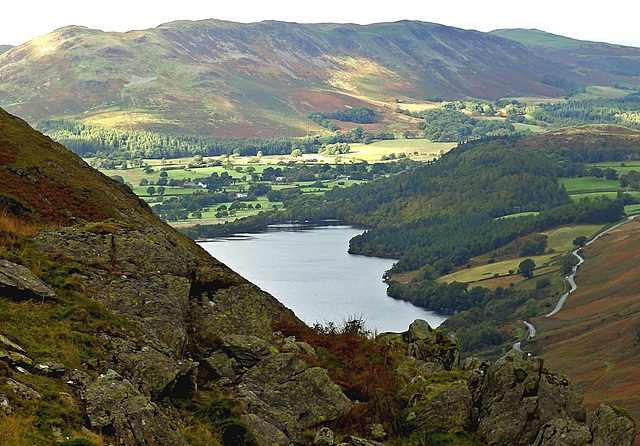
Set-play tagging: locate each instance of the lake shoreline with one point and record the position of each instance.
(316, 277)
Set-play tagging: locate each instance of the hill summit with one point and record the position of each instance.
(222, 78)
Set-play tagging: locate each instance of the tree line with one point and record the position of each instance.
(451, 125)
(361, 115)
(92, 141)
(621, 111)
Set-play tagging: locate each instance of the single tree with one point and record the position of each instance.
(580, 240)
(526, 268)
(567, 262)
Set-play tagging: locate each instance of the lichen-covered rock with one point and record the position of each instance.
(22, 390)
(410, 368)
(247, 350)
(170, 288)
(286, 392)
(266, 433)
(420, 330)
(16, 359)
(440, 406)
(154, 370)
(20, 283)
(611, 426)
(431, 346)
(5, 404)
(78, 381)
(116, 408)
(563, 431)
(290, 344)
(183, 302)
(518, 398)
(9, 343)
(239, 309)
(324, 437)
(377, 432)
(50, 368)
(221, 369)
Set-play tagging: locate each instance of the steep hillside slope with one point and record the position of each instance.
(595, 338)
(230, 79)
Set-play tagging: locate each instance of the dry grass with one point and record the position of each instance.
(13, 235)
(19, 228)
(14, 429)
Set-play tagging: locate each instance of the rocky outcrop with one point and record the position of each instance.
(20, 283)
(185, 304)
(514, 401)
(445, 406)
(282, 392)
(522, 403)
(612, 426)
(157, 281)
(182, 303)
(116, 408)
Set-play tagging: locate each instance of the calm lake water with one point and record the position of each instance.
(309, 270)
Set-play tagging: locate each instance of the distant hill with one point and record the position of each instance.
(5, 48)
(222, 78)
(618, 60)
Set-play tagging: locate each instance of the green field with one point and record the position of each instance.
(620, 167)
(588, 184)
(600, 92)
(240, 169)
(594, 195)
(503, 268)
(519, 214)
(559, 241)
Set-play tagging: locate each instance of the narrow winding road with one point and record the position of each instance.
(571, 279)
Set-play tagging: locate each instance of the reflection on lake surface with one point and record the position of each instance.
(308, 269)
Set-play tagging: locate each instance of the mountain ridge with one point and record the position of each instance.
(221, 78)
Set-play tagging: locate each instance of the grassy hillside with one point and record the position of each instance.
(44, 183)
(595, 338)
(618, 60)
(231, 79)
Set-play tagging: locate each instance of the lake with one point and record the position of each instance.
(309, 270)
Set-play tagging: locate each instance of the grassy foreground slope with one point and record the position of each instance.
(595, 339)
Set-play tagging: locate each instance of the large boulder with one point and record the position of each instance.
(287, 393)
(20, 283)
(169, 287)
(431, 346)
(519, 399)
(117, 409)
(150, 366)
(612, 426)
(439, 405)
